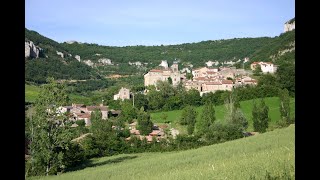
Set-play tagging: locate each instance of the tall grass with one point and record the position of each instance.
(264, 156)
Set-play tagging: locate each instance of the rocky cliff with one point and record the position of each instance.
(31, 50)
(290, 25)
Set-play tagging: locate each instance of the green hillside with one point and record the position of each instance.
(257, 49)
(264, 156)
(196, 53)
(246, 107)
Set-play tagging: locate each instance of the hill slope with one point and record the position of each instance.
(257, 49)
(271, 153)
(52, 65)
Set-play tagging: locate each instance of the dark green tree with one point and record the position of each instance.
(286, 77)
(207, 118)
(285, 105)
(128, 112)
(257, 71)
(144, 122)
(188, 117)
(260, 116)
(234, 114)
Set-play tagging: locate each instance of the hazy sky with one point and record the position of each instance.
(156, 22)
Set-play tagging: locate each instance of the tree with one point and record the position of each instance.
(234, 114)
(128, 113)
(189, 76)
(285, 105)
(286, 77)
(192, 98)
(257, 71)
(102, 135)
(144, 122)
(267, 80)
(207, 118)
(50, 131)
(188, 117)
(260, 116)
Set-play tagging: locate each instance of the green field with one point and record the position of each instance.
(32, 92)
(246, 107)
(272, 152)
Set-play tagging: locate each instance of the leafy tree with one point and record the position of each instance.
(207, 118)
(234, 114)
(128, 112)
(189, 76)
(286, 77)
(257, 71)
(260, 116)
(188, 117)
(144, 122)
(140, 100)
(50, 132)
(102, 136)
(192, 98)
(285, 105)
(267, 80)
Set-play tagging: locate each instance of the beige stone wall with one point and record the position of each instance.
(104, 114)
(124, 93)
(151, 78)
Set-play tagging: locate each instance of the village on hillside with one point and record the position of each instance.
(204, 79)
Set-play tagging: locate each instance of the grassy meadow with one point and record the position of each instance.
(32, 92)
(246, 107)
(269, 154)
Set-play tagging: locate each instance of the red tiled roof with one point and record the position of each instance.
(149, 138)
(227, 82)
(199, 78)
(154, 133)
(134, 131)
(210, 72)
(212, 83)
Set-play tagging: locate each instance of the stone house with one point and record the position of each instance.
(266, 67)
(123, 94)
(155, 75)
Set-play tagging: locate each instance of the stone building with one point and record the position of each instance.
(163, 74)
(123, 94)
(266, 67)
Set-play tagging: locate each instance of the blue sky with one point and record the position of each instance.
(151, 22)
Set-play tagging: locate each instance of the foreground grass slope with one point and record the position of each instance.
(246, 107)
(271, 152)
